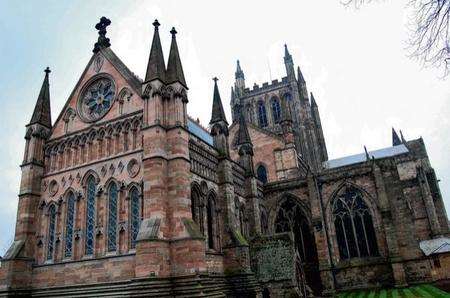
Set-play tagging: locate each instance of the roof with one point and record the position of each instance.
(199, 132)
(435, 246)
(358, 158)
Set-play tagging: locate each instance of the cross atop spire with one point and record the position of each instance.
(156, 67)
(174, 68)
(41, 113)
(103, 41)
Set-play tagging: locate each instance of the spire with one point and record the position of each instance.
(156, 68)
(239, 74)
(217, 113)
(41, 113)
(103, 41)
(243, 135)
(287, 55)
(395, 139)
(289, 64)
(300, 75)
(174, 68)
(313, 100)
(402, 137)
(232, 93)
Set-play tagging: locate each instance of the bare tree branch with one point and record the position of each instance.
(429, 31)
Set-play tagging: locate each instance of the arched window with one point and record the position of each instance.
(90, 215)
(262, 116)
(276, 110)
(51, 231)
(237, 112)
(197, 209)
(249, 113)
(287, 96)
(135, 218)
(210, 219)
(355, 233)
(112, 217)
(261, 172)
(69, 225)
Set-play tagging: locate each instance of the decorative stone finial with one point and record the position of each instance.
(173, 32)
(156, 24)
(47, 71)
(215, 79)
(103, 41)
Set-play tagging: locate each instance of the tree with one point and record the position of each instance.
(429, 38)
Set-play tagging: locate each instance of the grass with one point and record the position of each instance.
(420, 291)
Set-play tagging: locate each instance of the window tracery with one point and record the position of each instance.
(276, 110)
(69, 225)
(355, 233)
(112, 217)
(262, 115)
(51, 231)
(90, 215)
(135, 219)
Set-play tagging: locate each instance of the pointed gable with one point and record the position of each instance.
(217, 113)
(104, 64)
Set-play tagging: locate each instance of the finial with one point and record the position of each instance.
(156, 24)
(173, 32)
(102, 41)
(215, 79)
(47, 71)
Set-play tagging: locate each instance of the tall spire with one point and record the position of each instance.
(174, 68)
(239, 74)
(41, 113)
(313, 101)
(156, 68)
(289, 64)
(300, 75)
(243, 135)
(395, 139)
(103, 41)
(217, 113)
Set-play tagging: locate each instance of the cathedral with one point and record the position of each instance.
(125, 194)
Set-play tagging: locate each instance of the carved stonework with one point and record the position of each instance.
(133, 168)
(98, 63)
(53, 188)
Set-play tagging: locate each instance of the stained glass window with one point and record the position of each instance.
(135, 215)
(112, 218)
(69, 225)
(276, 111)
(355, 233)
(261, 173)
(90, 216)
(262, 116)
(51, 231)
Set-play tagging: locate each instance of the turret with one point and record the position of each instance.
(319, 131)
(219, 124)
(289, 64)
(302, 84)
(286, 121)
(239, 84)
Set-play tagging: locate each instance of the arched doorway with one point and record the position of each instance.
(292, 218)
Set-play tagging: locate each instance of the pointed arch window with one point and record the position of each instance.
(355, 233)
(249, 113)
(210, 220)
(276, 110)
(135, 215)
(90, 215)
(237, 112)
(197, 207)
(112, 217)
(51, 231)
(262, 115)
(69, 225)
(261, 173)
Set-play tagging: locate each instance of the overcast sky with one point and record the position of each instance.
(354, 61)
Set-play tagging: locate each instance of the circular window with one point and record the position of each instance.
(96, 99)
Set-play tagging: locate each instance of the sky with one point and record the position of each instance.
(354, 61)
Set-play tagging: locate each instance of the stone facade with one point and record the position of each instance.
(124, 194)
